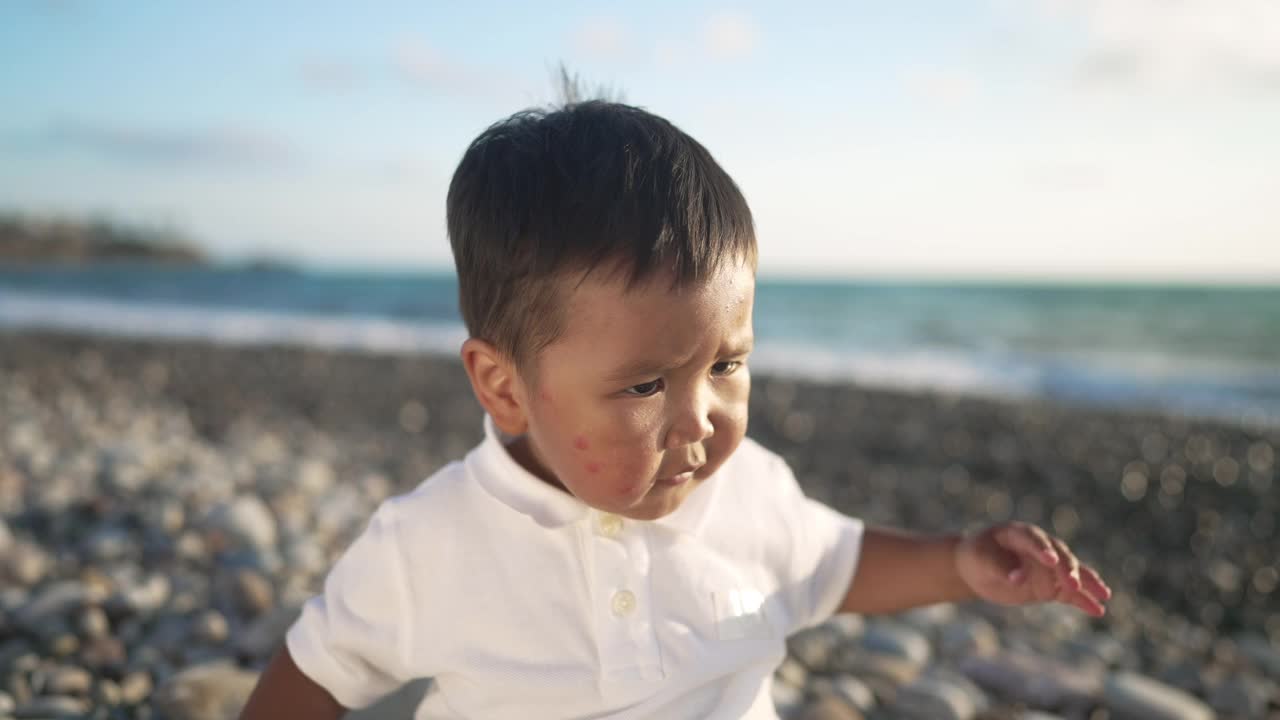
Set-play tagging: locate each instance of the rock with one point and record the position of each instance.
(107, 693)
(929, 618)
(93, 622)
(813, 647)
(56, 600)
(828, 708)
(894, 670)
(52, 706)
(792, 673)
(1135, 697)
(69, 681)
(786, 698)
(253, 592)
(246, 521)
(6, 704)
(135, 687)
(263, 636)
(27, 563)
(108, 543)
(1241, 695)
(896, 639)
(211, 627)
(1260, 652)
(968, 636)
(1035, 680)
(930, 699)
(6, 537)
(103, 653)
(848, 688)
(846, 626)
(148, 597)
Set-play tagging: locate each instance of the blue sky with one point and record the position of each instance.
(1086, 139)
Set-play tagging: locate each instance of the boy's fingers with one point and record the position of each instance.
(1069, 566)
(1030, 540)
(1093, 583)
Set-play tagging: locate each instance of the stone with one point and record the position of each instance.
(1035, 680)
(149, 596)
(211, 627)
(896, 639)
(135, 687)
(214, 691)
(892, 669)
(968, 636)
(93, 622)
(27, 563)
(55, 600)
(263, 636)
(6, 537)
(791, 672)
(929, 618)
(1136, 697)
(1241, 695)
(1260, 652)
(848, 688)
(107, 693)
(828, 708)
(930, 699)
(787, 699)
(813, 647)
(108, 543)
(246, 521)
(6, 704)
(69, 681)
(52, 706)
(253, 592)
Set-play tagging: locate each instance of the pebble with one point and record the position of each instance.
(253, 591)
(897, 639)
(967, 637)
(213, 691)
(1037, 681)
(1134, 697)
(93, 622)
(828, 708)
(211, 627)
(247, 521)
(6, 703)
(930, 699)
(69, 681)
(135, 687)
(51, 706)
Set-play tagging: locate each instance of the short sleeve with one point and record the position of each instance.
(351, 639)
(825, 546)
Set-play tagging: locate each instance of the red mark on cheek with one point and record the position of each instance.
(593, 468)
(546, 396)
(580, 442)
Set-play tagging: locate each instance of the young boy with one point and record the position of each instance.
(615, 547)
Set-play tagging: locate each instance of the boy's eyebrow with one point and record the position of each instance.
(651, 366)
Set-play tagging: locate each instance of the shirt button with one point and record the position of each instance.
(624, 601)
(610, 525)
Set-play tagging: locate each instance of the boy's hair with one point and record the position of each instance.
(546, 193)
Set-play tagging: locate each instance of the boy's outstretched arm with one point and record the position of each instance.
(1010, 564)
(284, 692)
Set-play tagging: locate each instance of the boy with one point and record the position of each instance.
(616, 547)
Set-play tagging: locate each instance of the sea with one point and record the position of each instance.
(1204, 351)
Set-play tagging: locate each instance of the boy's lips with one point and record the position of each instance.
(682, 476)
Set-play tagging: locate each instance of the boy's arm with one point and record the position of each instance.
(898, 570)
(284, 692)
(1013, 563)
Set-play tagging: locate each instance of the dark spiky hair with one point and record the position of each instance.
(545, 193)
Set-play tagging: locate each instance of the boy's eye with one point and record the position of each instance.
(644, 389)
(725, 367)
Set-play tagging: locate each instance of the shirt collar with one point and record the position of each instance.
(551, 507)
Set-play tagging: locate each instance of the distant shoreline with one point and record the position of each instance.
(39, 240)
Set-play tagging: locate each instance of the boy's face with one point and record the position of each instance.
(644, 395)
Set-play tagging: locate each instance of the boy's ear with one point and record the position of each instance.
(496, 384)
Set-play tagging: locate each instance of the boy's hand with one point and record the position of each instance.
(1016, 563)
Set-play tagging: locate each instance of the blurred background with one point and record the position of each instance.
(1019, 259)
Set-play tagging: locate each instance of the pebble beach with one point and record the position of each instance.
(167, 506)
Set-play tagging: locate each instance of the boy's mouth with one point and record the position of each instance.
(679, 478)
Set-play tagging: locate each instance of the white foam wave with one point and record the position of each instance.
(228, 326)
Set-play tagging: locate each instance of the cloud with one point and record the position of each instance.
(604, 39)
(944, 86)
(214, 147)
(332, 75)
(426, 68)
(1178, 44)
(731, 36)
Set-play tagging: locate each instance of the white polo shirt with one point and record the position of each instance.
(523, 602)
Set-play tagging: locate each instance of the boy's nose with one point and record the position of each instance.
(692, 425)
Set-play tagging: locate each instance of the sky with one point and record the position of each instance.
(1024, 139)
